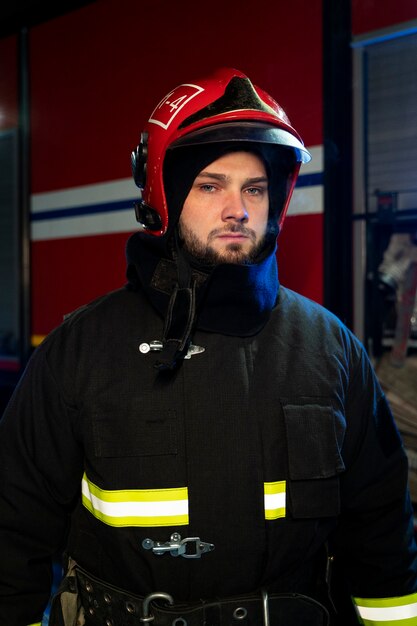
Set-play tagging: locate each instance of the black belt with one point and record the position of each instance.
(105, 605)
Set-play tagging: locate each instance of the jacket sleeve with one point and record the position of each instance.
(374, 541)
(40, 476)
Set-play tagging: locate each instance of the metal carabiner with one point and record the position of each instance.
(157, 595)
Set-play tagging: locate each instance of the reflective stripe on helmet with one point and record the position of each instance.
(136, 507)
(274, 497)
(397, 611)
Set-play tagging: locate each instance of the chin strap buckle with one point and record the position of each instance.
(179, 547)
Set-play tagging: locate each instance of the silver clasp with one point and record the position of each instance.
(178, 547)
(157, 346)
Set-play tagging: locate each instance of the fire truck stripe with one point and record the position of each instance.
(274, 498)
(136, 507)
(107, 207)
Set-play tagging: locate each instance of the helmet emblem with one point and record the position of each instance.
(172, 104)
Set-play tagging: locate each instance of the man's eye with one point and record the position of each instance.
(255, 191)
(207, 188)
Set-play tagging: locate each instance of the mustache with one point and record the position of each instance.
(232, 228)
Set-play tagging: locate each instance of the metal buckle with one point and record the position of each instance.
(178, 547)
(157, 595)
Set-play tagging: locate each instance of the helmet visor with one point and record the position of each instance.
(254, 132)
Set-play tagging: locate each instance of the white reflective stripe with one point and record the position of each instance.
(387, 613)
(394, 610)
(139, 509)
(136, 507)
(274, 499)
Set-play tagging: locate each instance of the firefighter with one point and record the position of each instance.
(205, 445)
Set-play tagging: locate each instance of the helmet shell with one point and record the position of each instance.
(225, 106)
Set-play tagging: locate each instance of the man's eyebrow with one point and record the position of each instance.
(225, 178)
(257, 179)
(212, 175)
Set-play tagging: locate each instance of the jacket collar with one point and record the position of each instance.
(230, 299)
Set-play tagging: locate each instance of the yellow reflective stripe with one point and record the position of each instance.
(395, 611)
(136, 507)
(37, 624)
(274, 497)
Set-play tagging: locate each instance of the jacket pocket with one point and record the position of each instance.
(314, 438)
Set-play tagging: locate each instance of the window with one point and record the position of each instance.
(385, 224)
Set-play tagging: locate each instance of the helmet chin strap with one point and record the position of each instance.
(180, 314)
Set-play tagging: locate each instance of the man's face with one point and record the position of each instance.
(225, 215)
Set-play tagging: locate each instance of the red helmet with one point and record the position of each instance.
(224, 107)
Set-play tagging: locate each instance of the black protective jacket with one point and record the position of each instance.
(269, 445)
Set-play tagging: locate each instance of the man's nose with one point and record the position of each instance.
(234, 208)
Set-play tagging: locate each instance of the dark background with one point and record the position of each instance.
(19, 14)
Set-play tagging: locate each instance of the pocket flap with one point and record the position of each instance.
(313, 444)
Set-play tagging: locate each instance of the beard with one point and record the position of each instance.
(235, 253)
